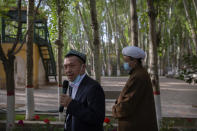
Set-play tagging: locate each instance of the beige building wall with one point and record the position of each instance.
(20, 67)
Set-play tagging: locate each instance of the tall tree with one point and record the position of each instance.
(134, 23)
(8, 64)
(192, 28)
(29, 62)
(109, 29)
(59, 43)
(153, 57)
(88, 33)
(195, 6)
(96, 40)
(117, 46)
(106, 16)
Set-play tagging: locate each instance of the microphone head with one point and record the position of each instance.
(65, 86)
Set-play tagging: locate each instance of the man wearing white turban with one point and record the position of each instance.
(135, 106)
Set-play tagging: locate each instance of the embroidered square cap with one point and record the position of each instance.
(78, 54)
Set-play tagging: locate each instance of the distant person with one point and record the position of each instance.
(86, 100)
(135, 106)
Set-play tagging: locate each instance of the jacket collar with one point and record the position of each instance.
(134, 69)
(81, 89)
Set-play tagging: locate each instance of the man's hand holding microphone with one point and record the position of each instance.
(65, 100)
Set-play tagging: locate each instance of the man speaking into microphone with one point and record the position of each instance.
(86, 100)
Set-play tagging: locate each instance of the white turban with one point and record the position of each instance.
(134, 52)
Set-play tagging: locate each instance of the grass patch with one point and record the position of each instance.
(22, 117)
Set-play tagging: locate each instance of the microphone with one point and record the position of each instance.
(65, 87)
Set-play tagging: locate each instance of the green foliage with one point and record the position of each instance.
(7, 4)
(22, 117)
(166, 125)
(174, 31)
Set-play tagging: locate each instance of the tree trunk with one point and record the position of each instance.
(194, 38)
(29, 64)
(109, 65)
(165, 62)
(134, 23)
(154, 59)
(104, 57)
(182, 48)
(109, 35)
(87, 32)
(60, 46)
(10, 84)
(117, 46)
(8, 63)
(195, 6)
(122, 36)
(96, 40)
(109, 69)
(94, 46)
(9, 70)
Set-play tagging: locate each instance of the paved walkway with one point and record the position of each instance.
(178, 99)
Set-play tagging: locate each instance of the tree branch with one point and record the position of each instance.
(18, 29)
(14, 53)
(2, 54)
(85, 27)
